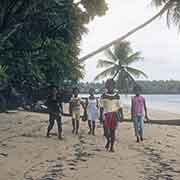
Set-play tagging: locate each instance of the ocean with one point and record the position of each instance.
(170, 103)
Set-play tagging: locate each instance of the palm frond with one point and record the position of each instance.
(173, 11)
(134, 58)
(176, 15)
(3, 74)
(110, 55)
(159, 2)
(108, 72)
(105, 63)
(135, 72)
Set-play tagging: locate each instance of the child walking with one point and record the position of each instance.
(75, 108)
(138, 107)
(112, 110)
(55, 110)
(92, 111)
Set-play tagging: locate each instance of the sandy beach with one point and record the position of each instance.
(26, 154)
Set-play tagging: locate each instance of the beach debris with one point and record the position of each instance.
(12, 111)
(169, 135)
(4, 154)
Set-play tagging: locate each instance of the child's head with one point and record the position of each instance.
(53, 90)
(137, 90)
(75, 91)
(91, 91)
(110, 85)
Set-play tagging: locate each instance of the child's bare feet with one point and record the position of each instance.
(47, 135)
(137, 139)
(112, 150)
(107, 146)
(60, 138)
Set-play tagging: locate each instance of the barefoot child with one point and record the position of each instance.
(55, 111)
(138, 107)
(75, 107)
(111, 109)
(92, 111)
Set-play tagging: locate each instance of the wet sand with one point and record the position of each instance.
(26, 154)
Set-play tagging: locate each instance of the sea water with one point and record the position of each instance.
(170, 103)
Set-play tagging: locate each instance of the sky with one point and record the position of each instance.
(158, 44)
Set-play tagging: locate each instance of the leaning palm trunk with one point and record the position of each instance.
(160, 13)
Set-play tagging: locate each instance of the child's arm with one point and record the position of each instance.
(119, 103)
(70, 107)
(61, 108)
(101, 109)
(83, 104)
(132, 109)
(122, 114)
(97, 103)
(145, 109)
(47, 101)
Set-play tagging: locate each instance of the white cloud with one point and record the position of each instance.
(159, 45)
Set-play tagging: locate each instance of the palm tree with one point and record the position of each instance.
(171, 7)
(118, 65)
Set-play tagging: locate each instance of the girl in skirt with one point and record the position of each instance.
(112, 110)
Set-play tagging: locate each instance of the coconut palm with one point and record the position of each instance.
(117, 66)
(171, 7)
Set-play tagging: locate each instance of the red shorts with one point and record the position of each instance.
(110, 120)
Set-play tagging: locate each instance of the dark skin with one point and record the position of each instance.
(55, 116)
(145, 107)
(108, 132)
(91, 126)
(145, 110)
(75, 122)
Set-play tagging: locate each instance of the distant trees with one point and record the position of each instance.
(118, 65)
(148, 87)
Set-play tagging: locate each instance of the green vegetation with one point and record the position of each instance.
(118, 66)
(39, 40)
(3, 75)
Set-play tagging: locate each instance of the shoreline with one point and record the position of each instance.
(155, 114)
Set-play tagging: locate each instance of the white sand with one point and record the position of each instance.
(26, 154)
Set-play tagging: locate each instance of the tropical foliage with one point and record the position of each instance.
(3, 75)
(117, 66)
(39, 40)
(172, 12)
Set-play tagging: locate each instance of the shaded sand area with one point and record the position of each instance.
(26, 154)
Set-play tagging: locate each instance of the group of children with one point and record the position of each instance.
(108, 110)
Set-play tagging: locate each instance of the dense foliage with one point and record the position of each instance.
(39, 40)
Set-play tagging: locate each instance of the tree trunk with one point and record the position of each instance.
(160, 13)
